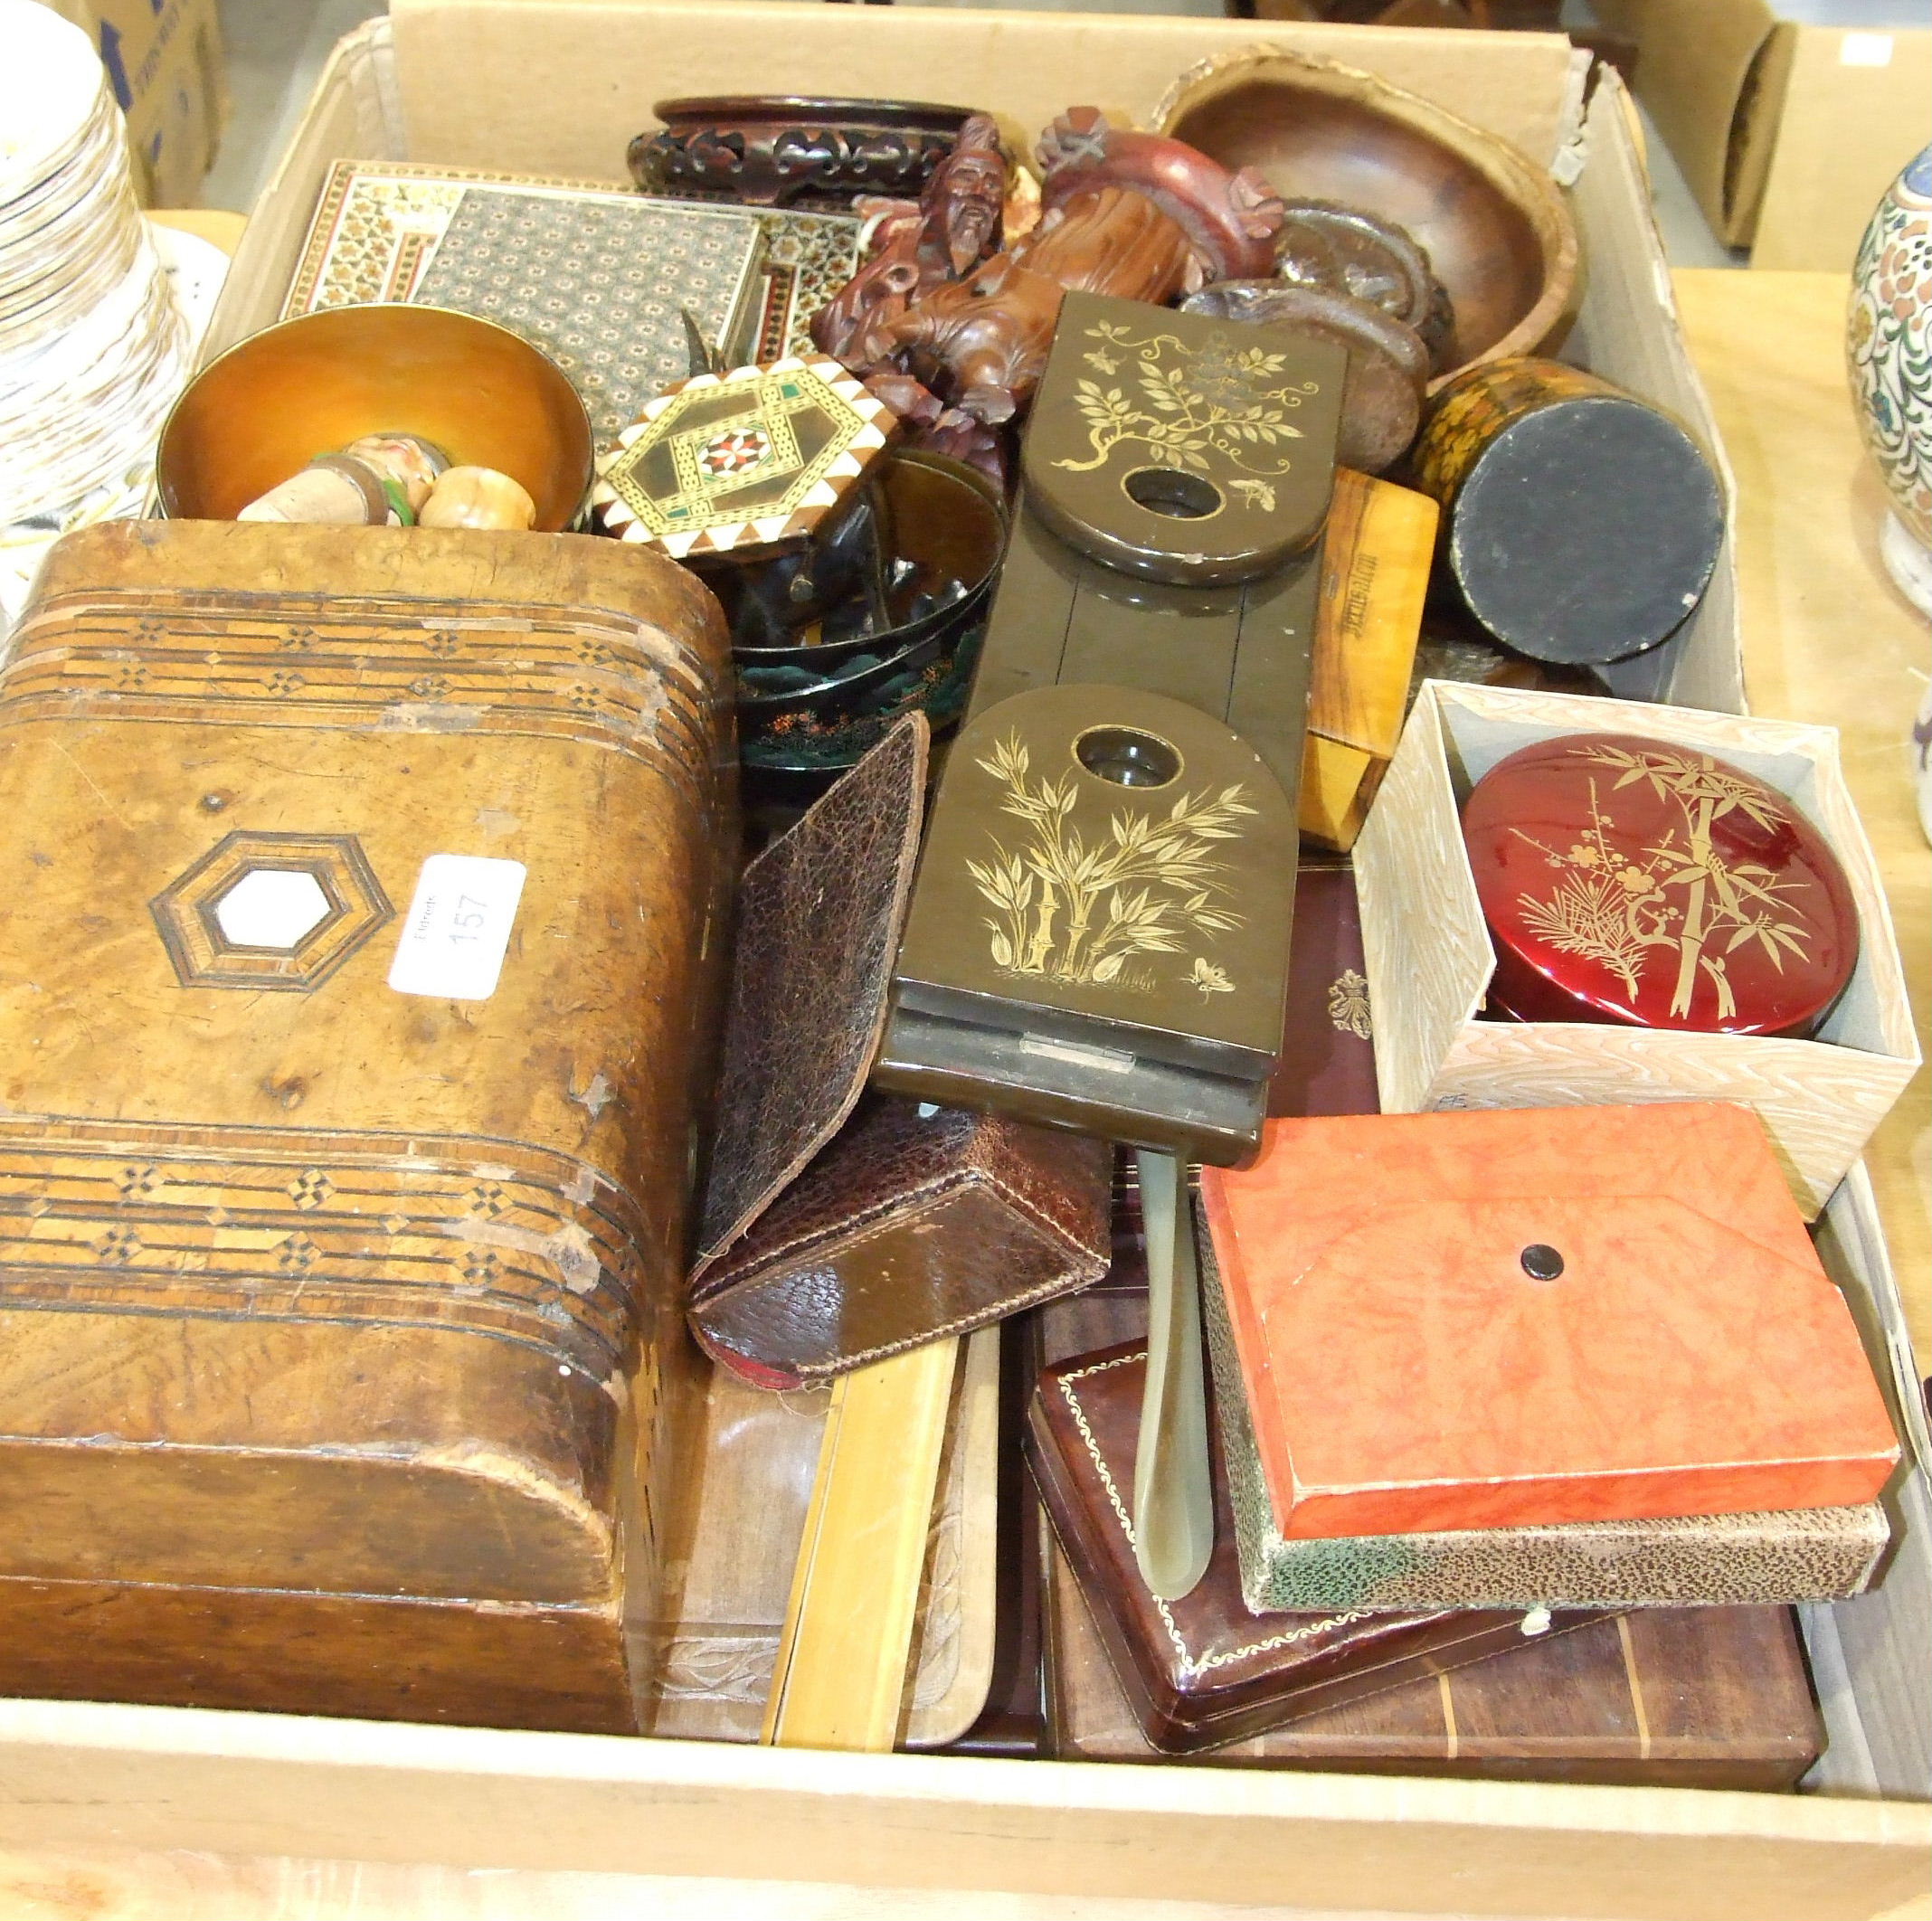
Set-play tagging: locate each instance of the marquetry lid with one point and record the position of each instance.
(1181, 447)
(1635, 881)
(742, 462)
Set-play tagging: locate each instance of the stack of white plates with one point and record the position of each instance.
(93, 345)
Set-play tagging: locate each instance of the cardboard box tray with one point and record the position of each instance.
(1789, 117)
(559, 88)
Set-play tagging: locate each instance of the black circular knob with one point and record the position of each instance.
(1541, 1262)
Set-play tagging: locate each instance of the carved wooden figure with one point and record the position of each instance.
(956, 225)
(1125, 214)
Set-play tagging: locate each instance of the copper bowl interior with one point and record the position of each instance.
(1496, 258)
(269, 405)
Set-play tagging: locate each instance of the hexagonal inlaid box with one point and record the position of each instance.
(276, 911)
(743, 462)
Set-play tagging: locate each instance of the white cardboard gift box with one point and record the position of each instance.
(1429, 959)
(557, 87)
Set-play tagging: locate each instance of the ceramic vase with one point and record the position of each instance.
(1889, 351)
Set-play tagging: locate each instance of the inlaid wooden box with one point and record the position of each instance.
(560, 88)
(1428, 955)
(360, 907)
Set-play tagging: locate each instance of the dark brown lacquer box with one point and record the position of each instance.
(365, 900)
(1328, 1048)
(1202, 1671)
(1099, 934)
(1098, 937)
(1642, 884)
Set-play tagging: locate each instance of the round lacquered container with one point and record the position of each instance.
(1582, 523)
(1636, 882)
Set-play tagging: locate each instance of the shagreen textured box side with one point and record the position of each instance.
(361, 944)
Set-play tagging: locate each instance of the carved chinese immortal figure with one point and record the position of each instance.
(920, 245)
(1131, 214)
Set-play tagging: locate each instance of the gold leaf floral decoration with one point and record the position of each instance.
(1078, 913)
(1217, 398)
(1347, 1005)
(1683, 899)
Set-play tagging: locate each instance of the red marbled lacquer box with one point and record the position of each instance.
(1536, 1315)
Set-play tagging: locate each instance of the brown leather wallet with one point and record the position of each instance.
(836, 1232)
(1202, 1671)
(916, 1223)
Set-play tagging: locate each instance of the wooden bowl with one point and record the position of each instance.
(1496, 227)
(268, 406)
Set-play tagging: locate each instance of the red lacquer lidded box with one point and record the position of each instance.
(1633, 881)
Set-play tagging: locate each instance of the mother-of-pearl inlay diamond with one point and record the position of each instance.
(272, 907)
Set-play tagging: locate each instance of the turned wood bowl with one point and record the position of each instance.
(1495, 226)
(273, 401)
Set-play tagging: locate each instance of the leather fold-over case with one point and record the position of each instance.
(1538, 1318)
(363, 917)
(839, 1227)
(1202, 1670)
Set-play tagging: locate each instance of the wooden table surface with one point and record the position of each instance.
(1826, 639)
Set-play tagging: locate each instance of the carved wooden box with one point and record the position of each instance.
(361, 915)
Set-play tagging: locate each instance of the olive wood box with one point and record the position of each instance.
(559, 88)
(1428, 956)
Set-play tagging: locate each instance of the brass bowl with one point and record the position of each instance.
(271, 403)
(1496, 227)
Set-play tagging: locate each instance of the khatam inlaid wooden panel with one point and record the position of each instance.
(743, 461)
